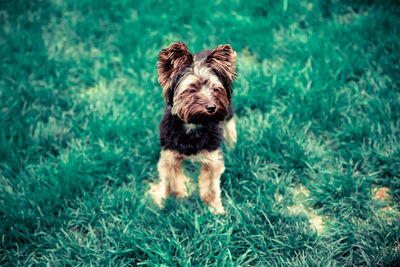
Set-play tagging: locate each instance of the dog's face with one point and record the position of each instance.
(197, 87)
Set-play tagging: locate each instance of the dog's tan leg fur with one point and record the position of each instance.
(209, 180)
(230, 134)
(172, 179)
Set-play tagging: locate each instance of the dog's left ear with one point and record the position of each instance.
(170, 62)
(222, 60)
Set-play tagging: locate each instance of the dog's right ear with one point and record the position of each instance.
(171, 61)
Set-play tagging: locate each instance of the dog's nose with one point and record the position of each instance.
(210, 108)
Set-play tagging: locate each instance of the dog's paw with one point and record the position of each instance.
(157, 193)
(217, 210)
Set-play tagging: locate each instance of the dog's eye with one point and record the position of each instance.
(216, 89)
(192, 91)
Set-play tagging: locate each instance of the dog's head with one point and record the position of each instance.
(197, 87)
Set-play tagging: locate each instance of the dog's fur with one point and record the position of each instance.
(198, 92)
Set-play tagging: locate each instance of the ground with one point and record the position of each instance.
(314, 177)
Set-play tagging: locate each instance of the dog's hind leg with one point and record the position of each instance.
(230, 134)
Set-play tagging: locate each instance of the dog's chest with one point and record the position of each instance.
(188, 139)
(191, 127)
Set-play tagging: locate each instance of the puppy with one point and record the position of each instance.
(198, 93)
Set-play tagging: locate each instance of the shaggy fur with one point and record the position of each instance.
(198, 93)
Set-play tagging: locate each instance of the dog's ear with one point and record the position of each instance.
(222, 61)
(171, 61)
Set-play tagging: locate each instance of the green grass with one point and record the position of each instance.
(318, 115)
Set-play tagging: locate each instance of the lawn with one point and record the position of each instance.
(315, 175)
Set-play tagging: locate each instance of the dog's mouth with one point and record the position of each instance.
(204, 118)
(199, 114)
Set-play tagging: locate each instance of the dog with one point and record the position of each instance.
(198, 115)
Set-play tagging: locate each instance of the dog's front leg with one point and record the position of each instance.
(209, 181)
(173, 181)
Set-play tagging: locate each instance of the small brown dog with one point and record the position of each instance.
(198, 92)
